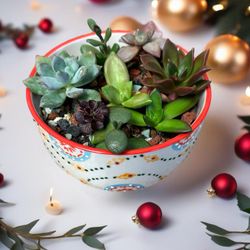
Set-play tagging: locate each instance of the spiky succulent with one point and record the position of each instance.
(177, 74)
(91, 116)
(61, 76)
(147, 38)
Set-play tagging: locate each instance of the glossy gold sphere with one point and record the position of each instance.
(229, 59)
(181, 15)
(125, 23)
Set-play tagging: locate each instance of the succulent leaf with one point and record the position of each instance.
(62, 77)
(87, 58)
(44, 69)
(173, 126)
(151, 64)
(127, 53)
(170, 53)
(186, 63)
(119, 116)
(35, 85)
(111, 94)
(73, 92)
(53, 99)
(99, 136)
(136, 118)
(139, 100)
(134, 143)
(153, 48)
(52, 83)
(58, 63)
(116, 141)
(90, 94)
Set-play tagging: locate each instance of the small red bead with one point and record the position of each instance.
(224, 185)
(1, 180)
(242, 147)
(45, 25)
(21, 41)
(149, 215)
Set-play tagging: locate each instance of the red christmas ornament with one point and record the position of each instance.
(223, 185)
(242, 147)
(1, 180)
(21, 40)
(148, 215)
(45, 25)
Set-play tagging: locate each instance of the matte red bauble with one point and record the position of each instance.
(149, 215)
(242, 147)
(224, 185)
(21, 40)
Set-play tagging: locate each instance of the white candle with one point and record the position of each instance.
(53, 207)
(245, 99)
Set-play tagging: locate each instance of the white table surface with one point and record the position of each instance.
(30, 172)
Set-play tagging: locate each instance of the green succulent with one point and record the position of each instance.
(61, 76)
(118, 90)
(147, 38)
(178, 74)
(100, 47)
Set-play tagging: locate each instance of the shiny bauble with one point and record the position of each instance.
(229, 59)
(46, 25)
(224, 185)
(181, 15)
(149, 215)
(242, 147)
(125, 23)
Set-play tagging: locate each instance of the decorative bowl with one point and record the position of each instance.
(131, 170)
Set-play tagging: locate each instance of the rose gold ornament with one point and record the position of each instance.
(229, 59)
(181, 15)
(125, 23)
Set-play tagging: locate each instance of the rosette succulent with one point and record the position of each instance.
(62, 76)
(147, 38)
(177, 74)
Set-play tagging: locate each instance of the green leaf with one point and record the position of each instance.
(108, 34)
(93, 230)
(119, 116)
(200, 61)
(115, 70)
(115, 48)
(74, 230)
(43, 59)
(44, 234)
(151, 64)
(116, 141)
(111, 94)
(101, 145)
(243, 202)
(245, 119)
(222, 241)
(136, 118)
(170, 53)
(154, 111)
(94, 42)
(53, 99)
(62, 77)
(87, 58)
(215, 229)
(35, 85)
(186, 64)
(179, 106)
(90, 94)
(85, 48)
(99, 136)
(73, 92)
(91, 23)
(139, 100)
(27, 227)
(4, 238)
(52, 83)
(58, 63)
(134, 143)
(17, 246)
(173, 126)
(44, 69)
(170, 70)
(5, 203)
(93, 242)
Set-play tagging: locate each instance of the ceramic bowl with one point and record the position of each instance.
(132, 170)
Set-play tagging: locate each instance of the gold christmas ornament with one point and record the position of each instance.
(229, 59)
(125, 23)
(181, 15)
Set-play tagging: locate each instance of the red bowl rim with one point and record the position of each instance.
(61, 138)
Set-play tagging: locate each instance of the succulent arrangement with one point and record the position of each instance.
(120, 98)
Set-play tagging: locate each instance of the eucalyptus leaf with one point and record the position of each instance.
(245, 119)
(5, 203)
(53, 99)
(173, 126)
(135, 143)
(75, 230)
(215, 229)
(35, 85)
(93, 230)
(222, 241)
(111, 94)
(115, 70)
(27, 227)
(116, 141)
(139, 100)
(4, 238)
(93, 242)
(243, 202)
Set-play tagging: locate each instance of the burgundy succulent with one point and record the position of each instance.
(91, 116)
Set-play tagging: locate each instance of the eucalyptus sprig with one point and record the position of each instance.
(218, 234)
(20, 237)
(102, 43)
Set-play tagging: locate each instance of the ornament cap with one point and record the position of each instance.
(135, 219)
(211, 192)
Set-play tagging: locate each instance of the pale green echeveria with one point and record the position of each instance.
(61, 76)
(118, 90)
